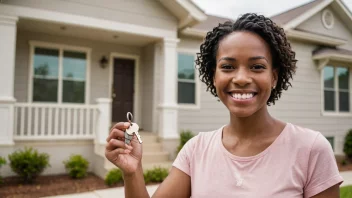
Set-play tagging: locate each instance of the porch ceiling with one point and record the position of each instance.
(83, 32)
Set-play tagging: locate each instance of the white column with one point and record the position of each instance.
(8, 29)
(168, 112)
(104, 120)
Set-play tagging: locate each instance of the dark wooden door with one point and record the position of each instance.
(123, 89)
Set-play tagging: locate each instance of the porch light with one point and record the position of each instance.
(103, 62)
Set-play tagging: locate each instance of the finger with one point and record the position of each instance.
(115, 134)
(114, 143)
(116, 152)
(121, 125)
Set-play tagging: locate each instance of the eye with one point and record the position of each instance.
(258, 67)
(227, 67)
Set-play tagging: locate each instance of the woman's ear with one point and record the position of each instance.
(275, 77)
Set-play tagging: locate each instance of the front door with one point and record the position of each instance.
(123, 89)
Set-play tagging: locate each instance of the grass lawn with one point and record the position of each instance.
(346, 192)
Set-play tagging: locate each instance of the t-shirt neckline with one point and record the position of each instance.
(249, 158)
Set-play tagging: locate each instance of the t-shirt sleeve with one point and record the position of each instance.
(322, 168)
(184, 157)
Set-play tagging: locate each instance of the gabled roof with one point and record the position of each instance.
(289, 20)
(210, 23)
(186, 11)
(294, 17)
(287, 16)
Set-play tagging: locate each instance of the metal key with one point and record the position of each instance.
(132, 130)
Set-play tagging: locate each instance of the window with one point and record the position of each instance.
(331, 141)
(336, 89)
(59, 75)
(186, 79)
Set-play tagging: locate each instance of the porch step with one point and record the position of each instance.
(152, 147)
(155, 157)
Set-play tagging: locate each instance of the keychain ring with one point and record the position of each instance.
(129, 115)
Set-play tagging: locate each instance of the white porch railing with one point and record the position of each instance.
(55, 121)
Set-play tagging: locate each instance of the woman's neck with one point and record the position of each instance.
(253, 126)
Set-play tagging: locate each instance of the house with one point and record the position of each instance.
(71, 68)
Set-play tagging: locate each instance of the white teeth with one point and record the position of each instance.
(242, 96)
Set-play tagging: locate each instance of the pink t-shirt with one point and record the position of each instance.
(299, 163)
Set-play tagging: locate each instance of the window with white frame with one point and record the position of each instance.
(186, 79)
(336, 89)
(59, 75)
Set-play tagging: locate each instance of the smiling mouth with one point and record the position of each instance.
(242, 96)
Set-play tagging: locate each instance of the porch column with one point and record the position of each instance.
(104, 120)
(168, 112)
(8, 29)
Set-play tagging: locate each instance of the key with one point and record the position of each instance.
(132, 130)
(138, 137)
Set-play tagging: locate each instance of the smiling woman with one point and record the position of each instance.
(247, 65)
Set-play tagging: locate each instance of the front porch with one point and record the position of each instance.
(43, 107)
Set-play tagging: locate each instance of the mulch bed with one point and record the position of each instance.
(50, 186)
(346, 167)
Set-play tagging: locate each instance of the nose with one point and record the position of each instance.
(242, 77)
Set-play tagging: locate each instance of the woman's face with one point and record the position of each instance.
(244, 74)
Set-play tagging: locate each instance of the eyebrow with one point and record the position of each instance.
(251, 58)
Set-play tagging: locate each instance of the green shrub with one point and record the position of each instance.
(28, 163)
(76, 166)
(184, 137)
(155, 175)
(113, 177)
(2, 162)
(347, 147)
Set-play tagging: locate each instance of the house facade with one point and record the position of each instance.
(72, 68)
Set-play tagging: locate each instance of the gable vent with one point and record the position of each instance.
(328, 19)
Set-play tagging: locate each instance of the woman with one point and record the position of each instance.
(247, 65)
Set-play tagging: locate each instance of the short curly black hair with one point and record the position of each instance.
(283, 56)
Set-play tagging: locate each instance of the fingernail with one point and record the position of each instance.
(126, 124)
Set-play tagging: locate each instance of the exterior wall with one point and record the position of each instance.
(147, 69)
(339, 30)
(212, 114)
(58, 152)
(301, 104)
(148, 13)
(99, 78)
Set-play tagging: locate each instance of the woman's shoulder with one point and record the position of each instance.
(205, 138)
(306, 137)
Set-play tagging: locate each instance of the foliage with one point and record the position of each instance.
(346, 192)
(113, 177)
(2, 162)
(157, 174)
(76, 166)
(28, 163)
(347, 147)
(185, 135)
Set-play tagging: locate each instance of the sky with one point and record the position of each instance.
(233, 8)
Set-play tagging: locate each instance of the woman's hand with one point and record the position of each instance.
(126, 157)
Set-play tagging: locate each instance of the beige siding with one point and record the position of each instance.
(147, 71)
(99, 78)
(339, 30)
(302, 103)
(189, 43)
(148, 13)
(212, 114)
